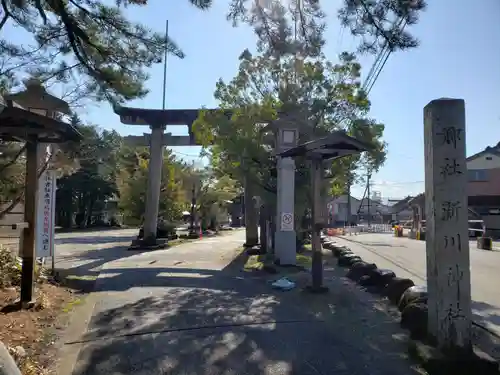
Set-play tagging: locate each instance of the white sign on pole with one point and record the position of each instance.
(45, 223)
(286, 221)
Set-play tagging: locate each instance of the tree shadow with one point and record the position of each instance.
(166, 320)
(79, 271)
(486, 325)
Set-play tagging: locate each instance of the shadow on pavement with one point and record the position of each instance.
(80, 271)
(92, 240)
(486, 322)
(224, 322)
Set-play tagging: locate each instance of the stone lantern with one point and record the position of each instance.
(36, 99)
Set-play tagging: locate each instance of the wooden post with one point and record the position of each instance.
(251, 230)
(317, 225)
(447, 242)
(28, 243)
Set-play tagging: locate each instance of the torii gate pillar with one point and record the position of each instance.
(157, 119)
(154, 184)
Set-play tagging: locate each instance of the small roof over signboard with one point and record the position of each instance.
(335, 145)
(18, 124)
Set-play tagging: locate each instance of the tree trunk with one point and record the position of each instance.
(251, 230)
(88, 212)
(263, 228)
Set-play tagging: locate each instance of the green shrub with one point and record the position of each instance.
(10, 268)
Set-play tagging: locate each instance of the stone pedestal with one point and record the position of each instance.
(154, 185)
(447, 243)
(285, 237)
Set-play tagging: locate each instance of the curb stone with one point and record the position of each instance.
(360, 269)
(414, 294)
(396, 288)
(414, 319)
(346, 260)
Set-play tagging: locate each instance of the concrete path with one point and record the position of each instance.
(188, 310)
(407, 258)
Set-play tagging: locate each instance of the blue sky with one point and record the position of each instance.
(459, 57)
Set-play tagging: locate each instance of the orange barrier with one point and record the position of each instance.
(336, 231)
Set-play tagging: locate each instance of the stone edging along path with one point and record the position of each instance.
(411, 301)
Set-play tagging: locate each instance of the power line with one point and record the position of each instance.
(385, 61)
(381, 60)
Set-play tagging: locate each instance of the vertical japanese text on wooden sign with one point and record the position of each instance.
(44, 240)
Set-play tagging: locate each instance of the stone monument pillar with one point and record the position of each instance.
(447, 242)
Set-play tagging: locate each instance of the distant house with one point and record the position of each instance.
(373, 210)
(361, 210)
(483, 188)
(483, 170)
(400, 211)
(338, 211)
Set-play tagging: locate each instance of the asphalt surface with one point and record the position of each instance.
(407, 258)
(187, 310)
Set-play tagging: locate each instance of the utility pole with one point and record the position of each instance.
(369, 175)
(349, 215)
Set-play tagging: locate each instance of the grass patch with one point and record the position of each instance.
(71, 305)
(82, 277)
(258, 262)
(303, 260)
(266, 262)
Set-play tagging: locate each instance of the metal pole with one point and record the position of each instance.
(165, 67)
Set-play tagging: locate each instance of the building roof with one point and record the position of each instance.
(495, 150)
(400, 205)
(420, 200)
(17, 124)
(332, 199)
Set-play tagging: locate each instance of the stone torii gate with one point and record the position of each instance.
(157, 120)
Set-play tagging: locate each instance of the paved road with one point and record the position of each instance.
(186, 311)
(407, 258)
(83, 254)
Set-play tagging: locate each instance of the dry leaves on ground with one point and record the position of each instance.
(29, 334)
